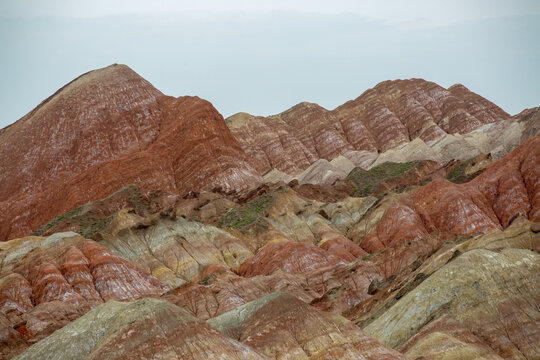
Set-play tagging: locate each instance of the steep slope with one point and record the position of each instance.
(390, 115)
(104, 130)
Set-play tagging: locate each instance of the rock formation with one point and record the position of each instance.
(144, 329)
(403, 224)
(45, 283)
(104, 130)
(283, 327)
(391, 115)
(479, 292)
(505, 190)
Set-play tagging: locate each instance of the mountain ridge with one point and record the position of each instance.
(404, 223)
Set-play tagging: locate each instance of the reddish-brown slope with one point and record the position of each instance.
(107, 129)
(388, 115)
(292, 257)
(46, 283)
(507, 189)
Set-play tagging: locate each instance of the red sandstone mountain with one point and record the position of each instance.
(391, 114)
(447, 269)
(507, 189)
(106, 129)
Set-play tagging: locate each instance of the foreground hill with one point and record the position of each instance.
(106, 129)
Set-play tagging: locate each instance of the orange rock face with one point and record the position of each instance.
(505, 190)
(104, 130)
(391, 114)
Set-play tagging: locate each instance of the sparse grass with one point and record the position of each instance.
(205, 281)
(365, 181)
(369, 256)
(458, 176)
(70, 214)
(247, 214)
(90, 226)
(135, 196)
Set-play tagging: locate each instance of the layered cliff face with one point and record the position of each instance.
(106, 129)
(391, 115)
(485, 299)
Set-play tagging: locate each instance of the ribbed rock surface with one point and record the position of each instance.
(292, 257)
(222, 291)
(391, 114)
(445, 338)
(45, 283)
(508, 188)
(494, 295)
(104, 130)
(283, 327)
(144, 329)
(175, 251)
(334, 288)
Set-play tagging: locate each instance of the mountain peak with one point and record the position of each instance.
(238, 119)
(103, 121)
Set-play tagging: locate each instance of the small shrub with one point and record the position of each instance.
(90, 226)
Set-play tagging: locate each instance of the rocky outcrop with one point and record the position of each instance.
(445, 338)
(478, 291)
(530, 121)
(176, 251)
(12, 341)
(391, 115)
(505, 190)
(45, 283)
(283, 327)
(144, 329)
(104, 130)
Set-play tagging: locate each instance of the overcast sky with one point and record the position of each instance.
(264, 56)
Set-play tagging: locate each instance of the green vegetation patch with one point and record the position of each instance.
(247, 214)
(70, 214)
(369, 256)
(90, 226)
(458, 175)
(134, 195)
(366, 181)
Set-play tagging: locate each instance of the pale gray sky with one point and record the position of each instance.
(265, 56)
